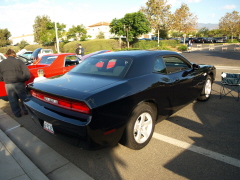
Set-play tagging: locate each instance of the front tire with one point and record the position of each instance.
(207, 89)
(140, 127)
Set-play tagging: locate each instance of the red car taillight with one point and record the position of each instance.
(62, 102)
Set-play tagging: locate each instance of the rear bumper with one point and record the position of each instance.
(72, 127)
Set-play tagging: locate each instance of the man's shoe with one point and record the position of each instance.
(25, 112)
(18, 115)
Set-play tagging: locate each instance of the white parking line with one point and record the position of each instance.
(199, 150)
(228, 67)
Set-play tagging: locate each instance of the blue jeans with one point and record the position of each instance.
(15, 92)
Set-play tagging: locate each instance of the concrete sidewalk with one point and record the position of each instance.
(23, 156)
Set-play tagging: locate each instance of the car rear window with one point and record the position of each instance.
(47, 59)
(111, 67)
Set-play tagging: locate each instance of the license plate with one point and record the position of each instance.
(48, 127)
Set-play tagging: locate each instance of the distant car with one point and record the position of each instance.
(200, 40)
(27, 54)
(193, 40)
(156, 38)
(209, 40)
(146, 39)
(219, 40)
(118, 96)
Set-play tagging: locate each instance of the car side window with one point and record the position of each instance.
(175, 64)
(71, 61)
(159, 66)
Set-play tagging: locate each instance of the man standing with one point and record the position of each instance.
(79, 51)
(14, 73)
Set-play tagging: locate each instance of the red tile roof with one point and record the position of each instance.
(100, 24)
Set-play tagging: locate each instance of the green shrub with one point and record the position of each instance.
(182, 48)
(92, 45)
(4, 49)
(234, 41)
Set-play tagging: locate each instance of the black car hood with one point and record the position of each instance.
(75, 86)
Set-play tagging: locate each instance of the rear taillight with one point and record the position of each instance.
(62, 102)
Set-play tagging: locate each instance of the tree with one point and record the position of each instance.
(78, 32)
(158, 14)
(4, 37)
(183, 20)
(203, 32)
(49, 35)
(100, 35)
(230, 23)
(39, 27)
(132, 25)
(22, 44)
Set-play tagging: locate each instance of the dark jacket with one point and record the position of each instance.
(78, 50)
(13, 70)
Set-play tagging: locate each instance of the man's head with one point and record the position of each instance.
(11, 52)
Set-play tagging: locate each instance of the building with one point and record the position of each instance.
(95, 29)
(28, 38)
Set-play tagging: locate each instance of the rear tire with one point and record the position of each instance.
(140, 127)
(206, 92)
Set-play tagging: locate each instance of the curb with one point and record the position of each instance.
(51, 164)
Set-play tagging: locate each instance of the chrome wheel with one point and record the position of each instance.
(143, 128)
(208, 88)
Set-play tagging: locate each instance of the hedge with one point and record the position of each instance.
(92, 45)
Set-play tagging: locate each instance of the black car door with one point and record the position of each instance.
(183, 80)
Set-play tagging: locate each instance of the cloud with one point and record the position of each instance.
(212, 15)
(229, 7)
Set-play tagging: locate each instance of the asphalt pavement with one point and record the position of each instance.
(25, 156)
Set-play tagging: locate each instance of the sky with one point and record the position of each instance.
(18, 15)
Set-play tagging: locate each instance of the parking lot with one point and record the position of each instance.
(201, 141)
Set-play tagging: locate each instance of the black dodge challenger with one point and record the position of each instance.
(118, 96)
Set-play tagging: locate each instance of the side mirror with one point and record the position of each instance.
(195, 66)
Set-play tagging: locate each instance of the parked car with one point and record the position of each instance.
(200, 40)
(219, 40)
(193, 40)
(209, 40)
(52, 64)
(118, 96)
(26, 60)
(146, 39)
(27, 54)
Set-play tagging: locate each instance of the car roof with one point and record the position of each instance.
(137, 53)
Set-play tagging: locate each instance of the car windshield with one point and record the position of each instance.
(111, 67)
(47, 59)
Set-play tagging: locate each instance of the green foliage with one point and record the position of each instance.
(92, 45)
(49, 35)
(163, 44)
(131, 25)
(143, 44)
(4, 49)
(232, 41)
(182, 47)
(100, 35)
(78, 32)
(4, 37)
(22, 44)
(39, 27)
